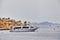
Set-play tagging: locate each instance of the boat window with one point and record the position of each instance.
(31, 27)
(25, 27)
(17, 27)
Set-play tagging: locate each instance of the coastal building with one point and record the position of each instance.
(7, 23)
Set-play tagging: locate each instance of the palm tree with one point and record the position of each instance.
(25, 22)
(19, 21)
(8, 18)
(0, 18)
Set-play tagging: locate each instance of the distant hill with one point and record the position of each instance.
(45, 23)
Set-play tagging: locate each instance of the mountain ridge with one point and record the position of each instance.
(45, 23)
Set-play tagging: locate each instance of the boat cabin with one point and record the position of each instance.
(26, 27)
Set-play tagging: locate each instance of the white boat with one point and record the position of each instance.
(23, 29)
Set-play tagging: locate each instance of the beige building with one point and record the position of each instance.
(7, 23)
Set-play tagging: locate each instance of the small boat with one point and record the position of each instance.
(23, 29)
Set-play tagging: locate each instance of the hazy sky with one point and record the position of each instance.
(31, 10)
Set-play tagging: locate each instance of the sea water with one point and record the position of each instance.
(40, 34)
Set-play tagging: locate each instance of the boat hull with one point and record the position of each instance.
(24, 30)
